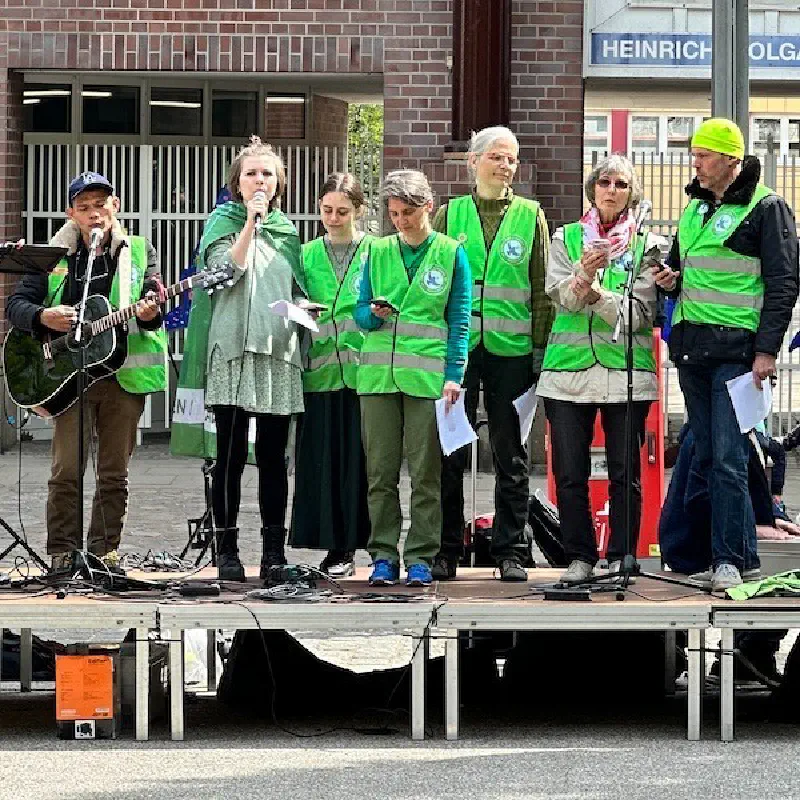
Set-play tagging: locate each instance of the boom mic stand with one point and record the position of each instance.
(630, 566)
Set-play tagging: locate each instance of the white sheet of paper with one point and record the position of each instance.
(750, 403)
(287, 310)
(525, 406)
(454, 428)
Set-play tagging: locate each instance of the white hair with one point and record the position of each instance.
(482, 140)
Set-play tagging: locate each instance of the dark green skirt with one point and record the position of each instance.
(330, 496)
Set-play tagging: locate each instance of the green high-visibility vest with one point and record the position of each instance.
(407, 353)
(719, 286)
(332, 360)
(501, 291)
(144, 370)
(580, 339)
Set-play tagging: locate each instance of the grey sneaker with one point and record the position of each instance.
(704, 578)
(577, 571)
(725, 576)
(511, 570)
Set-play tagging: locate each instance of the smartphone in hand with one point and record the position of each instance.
(382, 302)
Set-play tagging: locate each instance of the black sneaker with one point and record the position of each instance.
(512, 570)
(444, 568)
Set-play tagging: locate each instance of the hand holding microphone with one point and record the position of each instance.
(257, 208)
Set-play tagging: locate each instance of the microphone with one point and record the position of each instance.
(643, 214)
(95, 238)
(259, 195)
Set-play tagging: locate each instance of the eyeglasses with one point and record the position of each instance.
(618, 184)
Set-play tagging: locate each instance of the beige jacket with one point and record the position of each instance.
(598, 384)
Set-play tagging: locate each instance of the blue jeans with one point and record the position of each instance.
(722, 452)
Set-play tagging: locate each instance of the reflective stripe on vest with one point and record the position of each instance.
(332, 360)
(501, 277)
(579, 340)
(718, 286)
(144, 370)
(408, 353)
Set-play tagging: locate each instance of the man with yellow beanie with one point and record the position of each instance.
(733, 271)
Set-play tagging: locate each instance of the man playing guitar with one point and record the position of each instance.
(125, 271)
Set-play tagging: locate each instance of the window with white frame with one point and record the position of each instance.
(645, 134)
(679, 133)
(595, 135)
(765, 134)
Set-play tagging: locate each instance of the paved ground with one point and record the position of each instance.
(600, 753)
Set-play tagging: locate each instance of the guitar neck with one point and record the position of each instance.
(124, 314)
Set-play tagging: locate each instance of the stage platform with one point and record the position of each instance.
(474, 601)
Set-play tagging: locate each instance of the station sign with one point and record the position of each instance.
(687, 50)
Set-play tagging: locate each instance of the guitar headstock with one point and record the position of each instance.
(211, 279)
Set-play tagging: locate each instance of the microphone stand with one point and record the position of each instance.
(79, 340)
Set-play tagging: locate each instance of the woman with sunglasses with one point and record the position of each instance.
(584, 371)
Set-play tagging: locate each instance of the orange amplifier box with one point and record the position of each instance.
(85, 696)
(652, 475)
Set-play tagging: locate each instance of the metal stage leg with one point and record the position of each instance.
(176, 684)
(25, 659)
(726, 686)
(142, 684)
(451, 698)
(670, 643)
(211, 660)
(418, 663)
(697, 679)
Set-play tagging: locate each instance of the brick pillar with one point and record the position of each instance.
(11, 170)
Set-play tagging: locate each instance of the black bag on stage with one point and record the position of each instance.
(546, 529)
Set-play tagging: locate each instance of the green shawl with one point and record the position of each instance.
(192, 431)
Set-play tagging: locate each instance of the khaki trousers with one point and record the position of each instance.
(386, 421)
(112, 414)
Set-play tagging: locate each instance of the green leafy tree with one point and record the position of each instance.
(365, 143)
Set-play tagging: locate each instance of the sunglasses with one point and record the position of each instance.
(618, 184)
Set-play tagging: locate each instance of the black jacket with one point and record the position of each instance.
(768, 233)
(24, 307)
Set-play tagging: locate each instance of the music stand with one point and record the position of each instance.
(24, 260)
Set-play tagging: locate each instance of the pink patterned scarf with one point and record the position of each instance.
(619, 233)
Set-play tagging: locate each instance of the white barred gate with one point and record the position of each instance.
(167, 192)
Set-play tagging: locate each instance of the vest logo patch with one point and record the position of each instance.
(462, 237)
(513, 249)
(723, 224)
(433, 280)
(702, 209)
(355, 282)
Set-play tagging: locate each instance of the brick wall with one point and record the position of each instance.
(408, 41)
(329, 120)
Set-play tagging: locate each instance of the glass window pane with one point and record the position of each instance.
(595, 133)
(110, 109)
(794, 135)
(47, 107)
(679, 134)
(285, 117)
(176, 112)
(762, 129)
(644, 134)
(233, 114)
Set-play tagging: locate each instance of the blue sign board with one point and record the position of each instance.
(687, 50)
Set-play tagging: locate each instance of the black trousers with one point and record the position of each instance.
(272, 433)
(503, 379)
(571, 432)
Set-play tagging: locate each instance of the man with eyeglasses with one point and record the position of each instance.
(733, 271)
(125, 270)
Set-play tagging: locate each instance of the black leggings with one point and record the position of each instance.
(272, 433)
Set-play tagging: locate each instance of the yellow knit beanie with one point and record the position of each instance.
(720, 135)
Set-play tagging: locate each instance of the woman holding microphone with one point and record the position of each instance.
(253, 357)
(585, 372)
(414, 303)
(330, 509)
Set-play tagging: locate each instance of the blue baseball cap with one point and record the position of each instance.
(88, 180)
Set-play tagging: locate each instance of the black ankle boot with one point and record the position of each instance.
(272, 553)
(229, 567)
